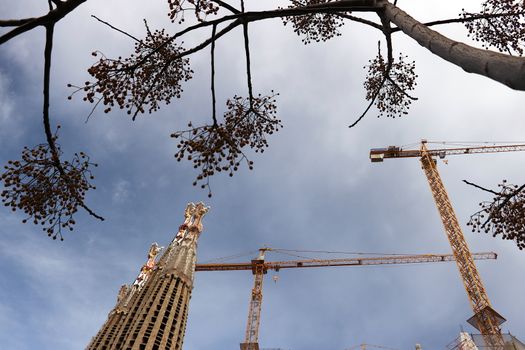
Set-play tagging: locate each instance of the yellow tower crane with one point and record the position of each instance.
(485, 318)
(260, 267)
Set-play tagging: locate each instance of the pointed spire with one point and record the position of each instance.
(152, 312)
(180, 256)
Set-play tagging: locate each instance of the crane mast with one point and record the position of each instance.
(251, 338)
(485, 318)
(260, 267)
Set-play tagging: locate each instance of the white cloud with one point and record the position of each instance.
(121, 191)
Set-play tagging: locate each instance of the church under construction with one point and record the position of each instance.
(152, 312)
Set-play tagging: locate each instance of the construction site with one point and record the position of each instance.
(152, 312)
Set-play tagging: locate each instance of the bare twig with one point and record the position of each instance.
(481, 188)
(360, 20)
(115, 28)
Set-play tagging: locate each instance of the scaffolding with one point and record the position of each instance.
(467, 341)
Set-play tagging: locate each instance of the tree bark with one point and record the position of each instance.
(505, 69)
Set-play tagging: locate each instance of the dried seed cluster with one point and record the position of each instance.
(503, 215)
(392, 97)
(50, 198)
(219, 147)
(151, 75)
(314, 26)
(202, 8)
(505, 33)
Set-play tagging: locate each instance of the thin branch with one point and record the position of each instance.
(360, 20)
(226, 6)
(213, 100)
(47, 73)
(176, 57)
(248, 63)
(387, 31)
(507, 197)
(481, 188)
(115, 28)
(47, 127)
(401, 90)
(367, 108)
(332, 7)
(510, 196)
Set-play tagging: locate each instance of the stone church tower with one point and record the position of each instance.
(151, 313)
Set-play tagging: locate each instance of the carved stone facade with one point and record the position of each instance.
(151, 313)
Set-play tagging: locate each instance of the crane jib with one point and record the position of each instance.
(378, 154)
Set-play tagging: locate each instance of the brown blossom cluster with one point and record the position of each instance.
(505, 31)
(202, 8)
(220, 147)
(390, 87)
(47, 194)
(314, 26)
(504, 215)
(151, 75)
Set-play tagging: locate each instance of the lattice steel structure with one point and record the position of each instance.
(151, 313)
(485, 318)
(260, 267)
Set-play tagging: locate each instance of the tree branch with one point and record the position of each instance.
(360, 20)
(332, 7)
(50, 18)
(508, 198)
(47, 127)
(507, 70)
(386, 29)
(115, 28)
(481, 188)
(15, 22)
(248, 63)
(463, 20)
(226, 6)
(213, 100)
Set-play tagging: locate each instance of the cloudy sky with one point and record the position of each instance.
(313, 189)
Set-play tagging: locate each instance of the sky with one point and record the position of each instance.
(314, 188)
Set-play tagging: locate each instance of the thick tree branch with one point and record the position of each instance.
(508, 70)
(247, 17)
(50, 18)
(15, 22)
(463, 20)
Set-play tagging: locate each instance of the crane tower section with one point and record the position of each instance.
(485, 319)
